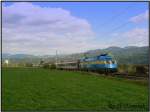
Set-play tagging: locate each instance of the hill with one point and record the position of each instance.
(126, 55)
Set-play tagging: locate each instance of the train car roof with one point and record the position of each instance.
(99, 57)
(71, 62)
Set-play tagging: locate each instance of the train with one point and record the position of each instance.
(100, 63)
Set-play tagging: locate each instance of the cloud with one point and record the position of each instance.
(140, 18)
(32, 29)
(133, 37)
(29, 28)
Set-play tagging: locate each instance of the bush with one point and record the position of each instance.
(130, 69)
(29, 65)
(46, 65)
(134, 69)
(141, 70)
(21, 64)
(53, 66)
(122, 68)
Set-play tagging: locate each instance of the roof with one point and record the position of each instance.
(70, 62)
(99, 57)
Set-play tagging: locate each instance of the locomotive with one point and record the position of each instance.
(100, 63)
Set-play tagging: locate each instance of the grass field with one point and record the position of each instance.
(41, 89)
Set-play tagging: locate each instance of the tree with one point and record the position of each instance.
(29, 65)
(41, 62)
(46, 65)
(140, 70)
(53, 66)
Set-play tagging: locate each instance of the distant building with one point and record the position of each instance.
(36, 65)
(6, 62)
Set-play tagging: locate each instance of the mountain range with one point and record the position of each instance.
(126, 55)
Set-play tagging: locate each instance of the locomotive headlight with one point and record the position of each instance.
(110, 62)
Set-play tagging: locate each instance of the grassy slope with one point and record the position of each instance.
(39, 89)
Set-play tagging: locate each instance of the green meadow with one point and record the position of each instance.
(43, 89)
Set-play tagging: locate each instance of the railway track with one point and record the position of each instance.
(115, 74)
(120, 75)
(126, 75)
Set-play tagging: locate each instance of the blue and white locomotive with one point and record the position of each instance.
(103, 62)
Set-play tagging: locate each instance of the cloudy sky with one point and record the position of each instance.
(41, 28)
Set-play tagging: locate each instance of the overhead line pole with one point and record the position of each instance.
(56, 59)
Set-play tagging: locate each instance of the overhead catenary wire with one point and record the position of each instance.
(120, 27)
(115, 17)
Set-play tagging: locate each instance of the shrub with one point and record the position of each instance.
(46, 65)
(130, 69)
(122, 68)
(53, 66)
(29, 65)
(141, 70)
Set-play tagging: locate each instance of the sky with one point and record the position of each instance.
(41, 28)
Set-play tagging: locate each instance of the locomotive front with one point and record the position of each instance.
(110, 63)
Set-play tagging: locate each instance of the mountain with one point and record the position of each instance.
(126, 55)
(16, 56)
(6, 55)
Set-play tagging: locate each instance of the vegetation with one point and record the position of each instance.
(45, 89)
(53, 66)
(46, 65)
(127, 55)
(138, 70)
(49, 66)
(29, 65)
